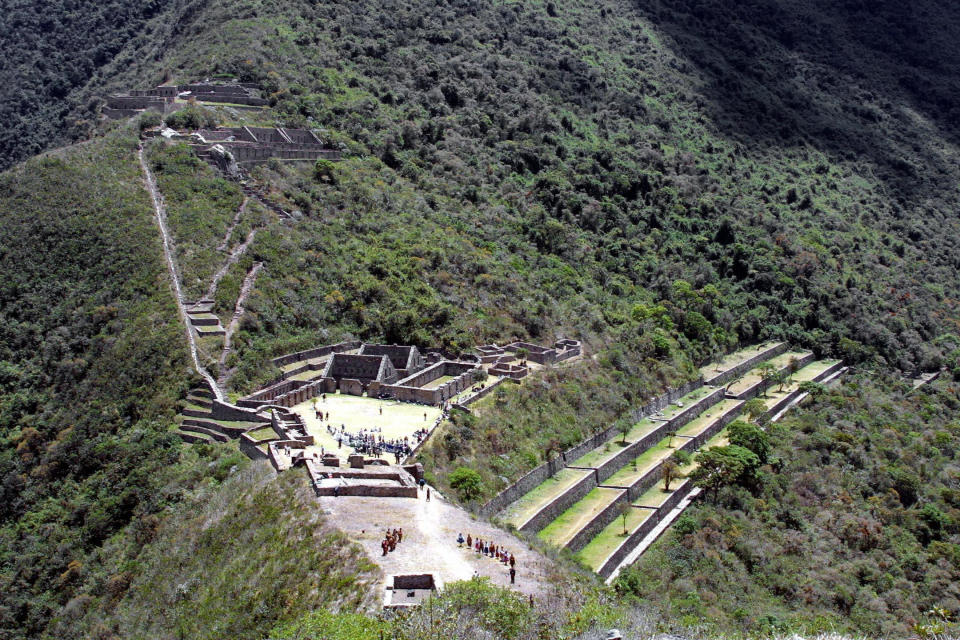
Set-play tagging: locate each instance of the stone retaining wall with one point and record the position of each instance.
(721, 379)
(634, 449)
(630, 543)
(317, 352)
(479, 394)
(731, 414)
(790, 397)
(522, 486)
(596, 524)
(525, 484)
(762, 385)
(561, 503)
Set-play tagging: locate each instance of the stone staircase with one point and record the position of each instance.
(579, 507)
(203, 320)
(196, 423)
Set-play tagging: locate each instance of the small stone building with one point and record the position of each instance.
(406, 359)
(365, 368)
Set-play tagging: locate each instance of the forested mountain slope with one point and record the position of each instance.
(661, 180)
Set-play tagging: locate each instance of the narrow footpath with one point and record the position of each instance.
(235, 321)
(161, 216)
(235, 255)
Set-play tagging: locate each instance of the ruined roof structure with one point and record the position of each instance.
(403, 357)
(365, 368)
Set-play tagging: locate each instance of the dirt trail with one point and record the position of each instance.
(430, 531)
(161, 216)
(234, 256)
(233, 225)
(235, 321)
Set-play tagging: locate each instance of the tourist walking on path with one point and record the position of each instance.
(428, 494)
(513, 575)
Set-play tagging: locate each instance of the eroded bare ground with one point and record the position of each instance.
(430, 531)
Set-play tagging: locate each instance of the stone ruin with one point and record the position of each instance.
(361, 477)
(399, 372)
(410, 590)
(504, 361)
(250, 145)
(164, 98)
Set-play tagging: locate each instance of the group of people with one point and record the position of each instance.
(490, 549)
(391, 539)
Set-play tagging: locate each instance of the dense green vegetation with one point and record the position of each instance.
(107, 521)
(853, 526)
(661, 180)
(85, 400)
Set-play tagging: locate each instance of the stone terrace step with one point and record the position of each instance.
(752, 383)
(727, 369)
(572, 528)
(521, 512)
(200, 401)
(777, 398)
(596, 553)
(608, 549)
(215, 435)
(204, 319)
(194, 438)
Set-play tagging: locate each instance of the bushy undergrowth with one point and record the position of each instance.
(855, 528)
(233, 560)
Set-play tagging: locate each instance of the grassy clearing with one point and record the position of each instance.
(699, 424)
(396, 419)
(599, 456)
(266, 433)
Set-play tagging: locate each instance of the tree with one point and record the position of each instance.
(767, 371)
(624, 512)
(467, 483)
(815, 389)
(624, 430)
(750, 436)
(669, 470)
(325, 171)
(754, 408)
(722, 466)
(671, 434)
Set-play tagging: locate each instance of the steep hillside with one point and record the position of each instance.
(661, 180)
(853, 528)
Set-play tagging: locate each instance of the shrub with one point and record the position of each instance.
(467, 483)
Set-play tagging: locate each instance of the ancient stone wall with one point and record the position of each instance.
(790, 397)
(351, 387)
(224, 411)
(561, 503)
(318, 352)
(535, 352)
(630, 543)
(762, 385)
(596, 524)
(522, 486)
(544, 471)
(721, 379)
(487, 390)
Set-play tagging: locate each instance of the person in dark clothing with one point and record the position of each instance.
(513, 575)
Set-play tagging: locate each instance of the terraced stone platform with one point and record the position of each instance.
(579, 508)
(524, 510)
